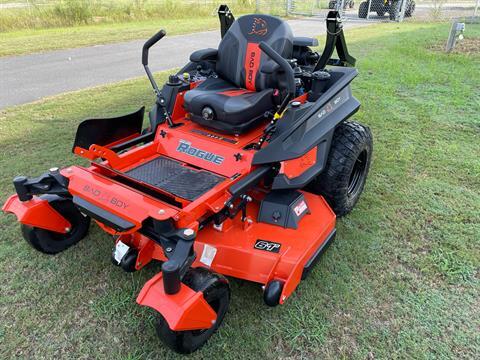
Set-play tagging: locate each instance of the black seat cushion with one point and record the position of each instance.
(235, 110)
(242, 93)
(239, 57)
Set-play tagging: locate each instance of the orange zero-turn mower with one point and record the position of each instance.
(247, 161)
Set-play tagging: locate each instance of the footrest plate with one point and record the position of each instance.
(173, 177)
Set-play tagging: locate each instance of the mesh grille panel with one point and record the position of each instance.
(170, 176)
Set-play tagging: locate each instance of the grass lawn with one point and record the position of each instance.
(30, 41)
(42, 25)
(400, 281)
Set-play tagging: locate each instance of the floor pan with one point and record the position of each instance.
(172, 177)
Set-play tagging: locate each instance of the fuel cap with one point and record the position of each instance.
(173, 80)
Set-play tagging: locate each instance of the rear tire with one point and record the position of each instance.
(51, 242)
(410, 9)
(394, 10)
(363, 10)
(341, 182)
(216, 292)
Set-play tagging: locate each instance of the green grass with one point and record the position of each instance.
(400, 281)
(40, 14)
(64, 24)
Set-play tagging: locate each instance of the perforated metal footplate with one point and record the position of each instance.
(170, 176)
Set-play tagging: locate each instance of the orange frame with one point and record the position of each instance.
(233, 241)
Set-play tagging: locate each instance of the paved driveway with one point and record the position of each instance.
(28, 78)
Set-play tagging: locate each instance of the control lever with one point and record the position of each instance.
(146, 47)
(287, 68)
(160, 99)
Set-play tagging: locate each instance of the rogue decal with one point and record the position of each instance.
(186, 147)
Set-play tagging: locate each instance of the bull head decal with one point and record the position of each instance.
(259, 27)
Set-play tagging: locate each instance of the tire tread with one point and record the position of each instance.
(349, 140)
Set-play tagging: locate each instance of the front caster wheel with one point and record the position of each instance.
(216, 293)
(272, 292)
(128, 262)
(343, 179)
(51, 242)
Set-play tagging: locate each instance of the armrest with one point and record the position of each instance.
(269, 67)
(204, 54)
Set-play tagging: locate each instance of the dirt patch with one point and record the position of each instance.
(468, 46)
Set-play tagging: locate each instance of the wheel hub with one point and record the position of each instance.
(358, 173)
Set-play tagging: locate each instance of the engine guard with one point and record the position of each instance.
(38, 213)
(185, 310)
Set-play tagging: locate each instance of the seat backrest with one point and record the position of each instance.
(239, 56)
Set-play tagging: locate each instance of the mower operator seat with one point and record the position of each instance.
(241, 94)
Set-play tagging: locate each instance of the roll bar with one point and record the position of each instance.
(226, 19)
(335, 41)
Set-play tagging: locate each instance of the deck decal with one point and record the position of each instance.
(269, 246)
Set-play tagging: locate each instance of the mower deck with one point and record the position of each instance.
(253, 250)
(174, 178)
